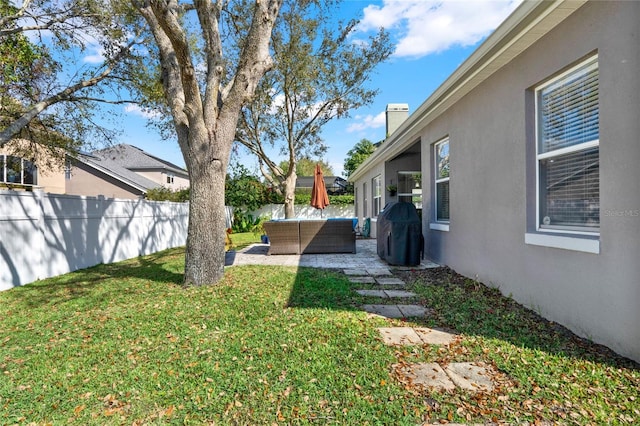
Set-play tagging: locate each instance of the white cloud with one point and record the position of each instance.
(96, 56)
(422, 27)
(367, 122)
(136, 110)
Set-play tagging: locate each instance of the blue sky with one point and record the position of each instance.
(432, 38)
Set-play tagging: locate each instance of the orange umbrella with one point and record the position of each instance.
(319, 197)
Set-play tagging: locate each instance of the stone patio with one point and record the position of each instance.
(365, 261)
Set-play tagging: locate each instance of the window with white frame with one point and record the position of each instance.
(169, 179)
(67, 170)
(442, 175)
(18, 171)
(365, 202)
(376, 193)
(568, 153)
(410, 188)
(356, 202)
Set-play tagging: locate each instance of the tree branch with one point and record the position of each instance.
(171, 80)
(209, 16)
(64, 95)
(19, 13)
(166, 14)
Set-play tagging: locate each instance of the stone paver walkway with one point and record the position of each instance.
(415, 336)
(397, 311)
(470, 376)
(391, 282)
(387, 294)
(362, 280)
(365, 267)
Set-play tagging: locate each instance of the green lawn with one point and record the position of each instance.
(241, 240)
(125, 344)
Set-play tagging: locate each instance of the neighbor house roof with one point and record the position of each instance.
(121, 161)
(134, 158)
(112, 168)
(526, 25)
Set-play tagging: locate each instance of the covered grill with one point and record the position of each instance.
(399, 234)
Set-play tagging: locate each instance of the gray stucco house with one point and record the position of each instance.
(525, 163)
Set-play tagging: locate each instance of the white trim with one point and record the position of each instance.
(569, 149)
(563, 242)
(592, 62)
(376, 194)
(569, 230)
(439, 227)
(436, 172)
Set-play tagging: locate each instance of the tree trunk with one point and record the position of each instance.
(290, 196)
(205, 255)
(206, 122)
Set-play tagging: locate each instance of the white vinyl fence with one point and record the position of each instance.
(44, 235)
(276, 211)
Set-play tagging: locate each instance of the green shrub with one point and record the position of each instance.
(166, 194)
(243, 222)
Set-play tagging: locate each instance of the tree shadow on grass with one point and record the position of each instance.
(103, 283)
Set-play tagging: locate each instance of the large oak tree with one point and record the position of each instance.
(204, 88)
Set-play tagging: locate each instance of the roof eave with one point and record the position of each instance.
(113, 175)
(527, 24)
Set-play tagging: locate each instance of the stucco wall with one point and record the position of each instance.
(160, 177)
(50, 171)
(84, 181)
(493, 182)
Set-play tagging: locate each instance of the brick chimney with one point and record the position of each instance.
(396, 114)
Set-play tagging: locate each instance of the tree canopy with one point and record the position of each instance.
(356, 156)
(319, 74)
(307, 167)
(244, 190)
(47, 96)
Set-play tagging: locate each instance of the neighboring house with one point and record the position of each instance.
(335, 184)
(121, 171)
(40, 170)
(526, 158)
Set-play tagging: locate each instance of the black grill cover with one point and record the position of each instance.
(399, 234)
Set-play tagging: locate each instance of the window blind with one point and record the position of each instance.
(442, 202)
(568, 108)
(568, 149)
(572, 189)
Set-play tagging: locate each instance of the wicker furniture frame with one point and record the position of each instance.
(284, 236)
(327, 236)
(311, 236)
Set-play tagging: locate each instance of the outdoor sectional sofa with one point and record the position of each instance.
(294, 236)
